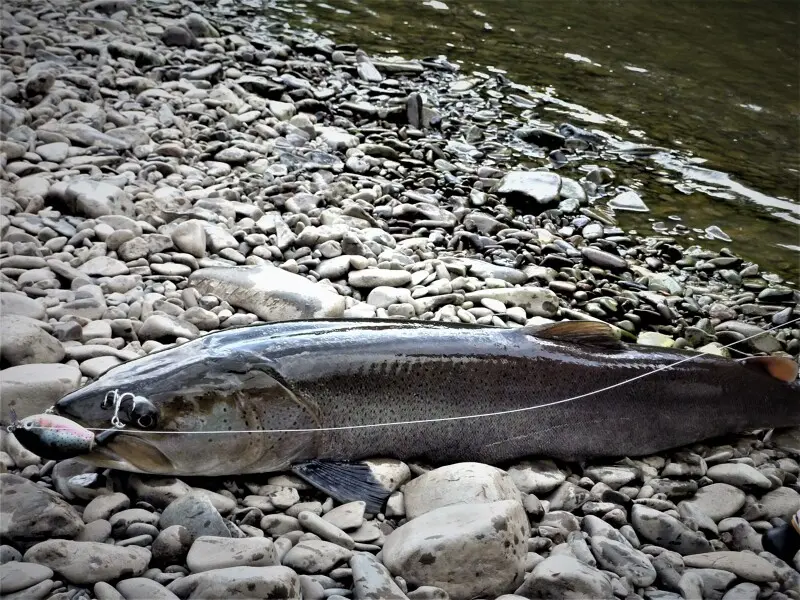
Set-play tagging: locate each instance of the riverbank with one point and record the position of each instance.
(154, 157)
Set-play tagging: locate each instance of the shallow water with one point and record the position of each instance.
(717, 81)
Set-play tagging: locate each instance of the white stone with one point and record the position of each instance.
(468, 550)
(32, 389)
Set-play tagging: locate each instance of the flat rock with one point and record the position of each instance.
(541, 186)
(104, 506)
(94, 199)
(460, 483)
(196, 513)
(159, 327)
(347, 516)
(208, 553)
(628, 201)
(739, 475)
(30, 512)
(372, 278)
(536, 476)
(622, 559)
(718, 501)
(316, 556)
(142, 588)
(25, 342)
(537, 302)
(666, 531)
(372, 580)
(269, 292)
(563, 576)
(32, 389)
(746, 565)
(468, 550)
(16, 576)
(12, 303)
(84, 563)
(276, 583)
(780, 503)
(103, 266)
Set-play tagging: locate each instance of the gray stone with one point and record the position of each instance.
(104, 506)
(460, 483)
(316, 556)
(562, 576)
(372, 278)
(537, 302)
(468, 550)
(324, 529)
(667, 531)
(623, 560)
(208, 553)
(54, 152)
(628, 201)
(743, 591)
(94, 199)
(347, 516)
(142, 588)
(32, 389)
(159, 327)
(699, 584)
(603, 259)
(29, 512)
(196, 513)
(718, 501)
(739, 475)
(780, 503)
(16, 576)
(26, 342)
(269, 292)
(171, 545)
(83, 563)
(745, 565)
(276, 583)
(104, 266)
(536, 476)
(372, 580)
(12, 303)
(190, 237)
(541, 186)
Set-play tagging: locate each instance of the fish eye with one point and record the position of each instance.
(28, 425)
(144, 414)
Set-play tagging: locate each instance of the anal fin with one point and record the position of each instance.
(344, 481)
(590, 333)
(780, 367)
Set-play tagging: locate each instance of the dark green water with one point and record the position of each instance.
(718, 80)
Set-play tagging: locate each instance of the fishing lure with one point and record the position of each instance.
(55, 437)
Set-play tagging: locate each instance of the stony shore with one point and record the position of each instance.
(172, 169)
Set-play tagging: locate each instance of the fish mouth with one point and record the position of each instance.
(128, 452)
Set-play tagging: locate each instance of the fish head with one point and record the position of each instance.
(194, 413)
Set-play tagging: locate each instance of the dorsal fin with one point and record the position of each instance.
(780, 367)
(587, 333)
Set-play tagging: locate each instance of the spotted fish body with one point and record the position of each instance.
(53, 436)
(347, 373)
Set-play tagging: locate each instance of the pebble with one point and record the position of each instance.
(717, 501)
(16, 576)
(664, 530)
(563, 576)
(748, 566)
(316, 556)
(275, 582)
(84, 563)
(467, 549)
(208, 553)
(195, 512)
(739, 475)
(31, 512)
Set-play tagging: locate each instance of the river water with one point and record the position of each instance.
(716, 81)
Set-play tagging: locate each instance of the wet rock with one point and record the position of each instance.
(278, 583)
(746, 565)
(208, 553)
(171, 545)
(89, 562)
(562, 576)
(372, 581)
(537, 302)
(628, 201)
(16, 576)
(780, 503)
(465, 549)
(666, 531)
(536, 476)
(196, 513)
(540, 186)
(461, 483)
(316, 556)
(269, 292)
(739, 475)
(622, 559)
(30, 512)
(718, 501)
(26, 342)
(33, 388)
(372, 278)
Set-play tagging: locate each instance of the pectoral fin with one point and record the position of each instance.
(344, 481)
(780, 367)
(588, 333)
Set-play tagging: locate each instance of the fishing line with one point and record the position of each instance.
(457, 418)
